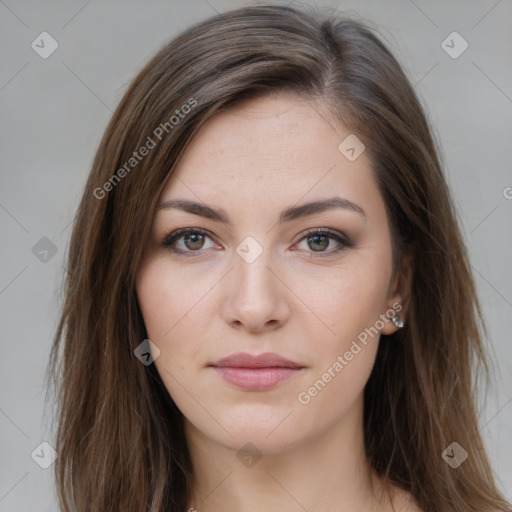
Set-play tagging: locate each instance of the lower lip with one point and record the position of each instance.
(255, 378)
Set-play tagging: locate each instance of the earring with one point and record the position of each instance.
(396, 320)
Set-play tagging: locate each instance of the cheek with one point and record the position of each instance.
(348, 303)
(350, 306)
(152, 299)
(170, 302)
(172, 315)
(168, 298)
(344, 358)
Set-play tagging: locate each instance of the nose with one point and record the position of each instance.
(257, 298)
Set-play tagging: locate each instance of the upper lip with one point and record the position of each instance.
(265, 360)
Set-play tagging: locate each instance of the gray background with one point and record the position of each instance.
(55, 110)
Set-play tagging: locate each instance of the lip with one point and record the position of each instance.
(265, 360)
(256, 372)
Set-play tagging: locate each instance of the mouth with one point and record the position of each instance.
(256, 372)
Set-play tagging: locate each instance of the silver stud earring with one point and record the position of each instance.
(396, 320)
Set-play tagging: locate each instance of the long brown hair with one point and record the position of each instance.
(120, 438)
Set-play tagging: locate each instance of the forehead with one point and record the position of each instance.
(275, 148)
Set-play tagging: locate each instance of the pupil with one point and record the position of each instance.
(317, 238)
(197, 238)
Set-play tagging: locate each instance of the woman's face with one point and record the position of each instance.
(261, 272)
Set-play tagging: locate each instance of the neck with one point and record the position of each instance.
(329, 472)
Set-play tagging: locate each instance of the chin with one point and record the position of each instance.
(269, 430)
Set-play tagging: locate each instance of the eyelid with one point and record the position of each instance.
(326, 232)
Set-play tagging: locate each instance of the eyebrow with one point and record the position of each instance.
(287, 215)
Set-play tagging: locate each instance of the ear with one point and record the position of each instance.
(399, 294)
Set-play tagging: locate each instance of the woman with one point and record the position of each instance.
(269, 304)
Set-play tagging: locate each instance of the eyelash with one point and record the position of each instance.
(171, 239)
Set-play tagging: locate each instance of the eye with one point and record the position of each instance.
(186, 241)
(318, 240)
(191, 241)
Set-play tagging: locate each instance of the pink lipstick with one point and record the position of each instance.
(256, 372)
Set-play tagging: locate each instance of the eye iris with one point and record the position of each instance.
(197, 238)
(318, 239)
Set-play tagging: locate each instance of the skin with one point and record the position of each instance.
(254, 161)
